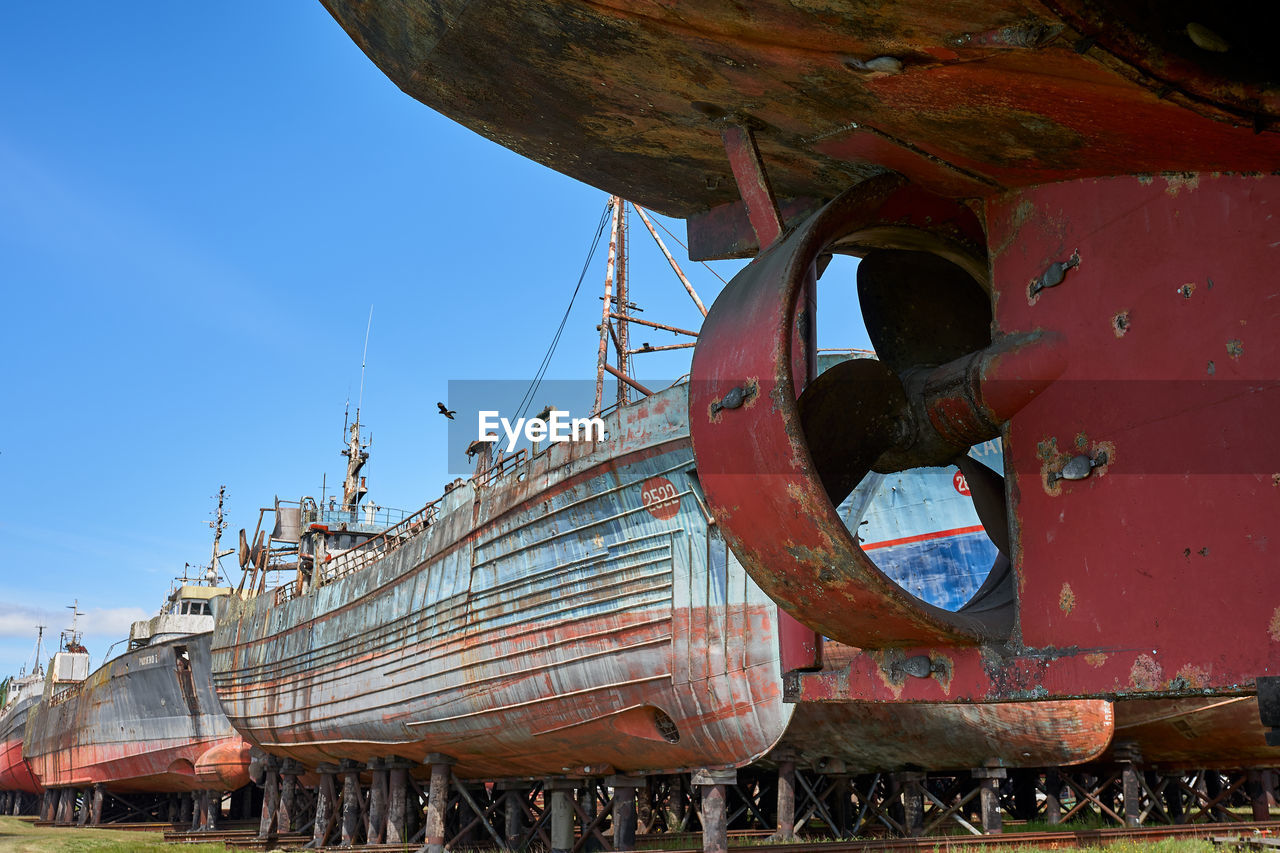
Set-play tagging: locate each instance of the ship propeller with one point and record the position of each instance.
(774, 467)
(922, 312)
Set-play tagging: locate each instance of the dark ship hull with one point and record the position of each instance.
(146, 721)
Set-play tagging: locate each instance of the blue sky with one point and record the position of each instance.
(198, 205)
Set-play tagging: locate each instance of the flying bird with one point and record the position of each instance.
(448, 413)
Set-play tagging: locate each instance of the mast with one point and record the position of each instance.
(620, 237)
(353, 487)
(218, 524)
(606, 322)
(71, 636)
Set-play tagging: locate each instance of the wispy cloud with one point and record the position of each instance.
(19, 622)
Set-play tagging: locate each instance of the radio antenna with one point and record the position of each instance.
(364, 358)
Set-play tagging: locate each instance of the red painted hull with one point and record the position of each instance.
(134, 726)
(15, 774)
(1190, 734)
(876, 737)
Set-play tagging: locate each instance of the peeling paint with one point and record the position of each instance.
(1120, 323)
(1193, 677)
(1146, 674)
(1274, 627)
(1178, 181)
(1235, 348)
(1095, 660)
(1066, 599)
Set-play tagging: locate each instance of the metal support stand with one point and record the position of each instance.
(561, 791)
(326, 805)
(989, 779)
(624, 810)
(95, 810)
(350, 802)
(437, 800)
(715, 825)
(287, 814)
(376, 828)
(270, 798)
(397, 796)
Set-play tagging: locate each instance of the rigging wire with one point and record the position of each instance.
(686, 248)
(529, 395)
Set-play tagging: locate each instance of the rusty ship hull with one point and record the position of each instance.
(1194, 733)
(1098, 169)
(551, 620)
(553, 624)
(140, 723)
(15, 772)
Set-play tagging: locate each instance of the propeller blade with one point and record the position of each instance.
(920, 309)
(243, 550)
(851, 413)
(986, 487)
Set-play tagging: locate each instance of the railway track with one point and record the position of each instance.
(1057, 840)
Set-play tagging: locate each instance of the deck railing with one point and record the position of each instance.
(380, 546)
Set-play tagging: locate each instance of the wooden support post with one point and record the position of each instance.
(287, 814)
(912, 802)
(786, 829)
(47, 805)
(437, 800)
(989, 778)
(1024, 794)
(376, 828)
(82, 816)
(397, 796)
(213, 813)
(270, 798)
(326, 805)
(1257, 792)
(184, 811)
(513, 826)
(1173, 800)
(1131, 793)
(676, 804)
(715, 824)
(561, 791)
(624, 810)
(67, 808)
(95, 808)
(589, 808)
(1052, 796)
(350, 802)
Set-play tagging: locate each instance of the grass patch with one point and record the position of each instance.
(20, 836)
(1125, 845)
